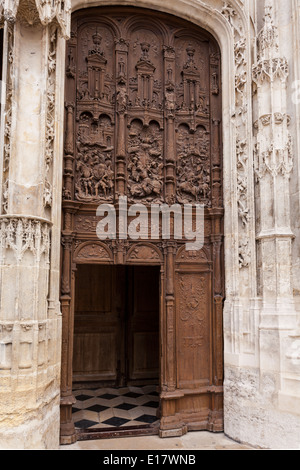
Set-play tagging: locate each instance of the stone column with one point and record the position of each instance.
(274, 164)
(31, 174)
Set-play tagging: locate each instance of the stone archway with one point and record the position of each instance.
(143, 121)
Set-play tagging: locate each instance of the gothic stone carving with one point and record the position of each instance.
(50, 116)
(21, 235)
(242, 118)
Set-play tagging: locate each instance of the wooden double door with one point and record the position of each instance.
(116, 329)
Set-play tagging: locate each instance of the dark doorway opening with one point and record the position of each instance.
(116, 350)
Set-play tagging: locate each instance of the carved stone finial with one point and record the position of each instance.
(268, 37)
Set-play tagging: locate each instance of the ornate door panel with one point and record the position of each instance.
(194, 329)
(143, 121)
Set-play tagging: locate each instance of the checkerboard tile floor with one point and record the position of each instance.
(115, 407)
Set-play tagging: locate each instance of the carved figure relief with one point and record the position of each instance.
(145, 162)
(94, 159)
(133, 90)
(193, 166)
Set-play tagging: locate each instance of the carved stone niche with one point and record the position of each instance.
(93, 252)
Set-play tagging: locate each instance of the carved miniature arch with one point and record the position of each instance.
(113, 28)
(202, 14)
(134, 23)
(144, 253)
(93, 252)
(145, 123)
(88, 115)
(186, 127)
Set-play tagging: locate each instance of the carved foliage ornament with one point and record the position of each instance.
(271, 69)
(241, 115)
(8, 116)
(22, 235)
(48, 11)
(145, 167)
(50, 116)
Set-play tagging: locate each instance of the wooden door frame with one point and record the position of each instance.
(68, 433)
(80, 245)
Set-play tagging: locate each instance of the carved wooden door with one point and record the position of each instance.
(143, 120)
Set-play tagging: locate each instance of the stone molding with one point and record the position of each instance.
(243, 144)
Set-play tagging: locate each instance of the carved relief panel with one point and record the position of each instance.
(144, 97)
(193, 165)
(194, 326)
(145, 162)
(94, 167)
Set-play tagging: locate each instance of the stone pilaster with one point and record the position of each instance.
(31, 152)
(274, 165)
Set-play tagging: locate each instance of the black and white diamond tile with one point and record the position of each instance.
(115, 408)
